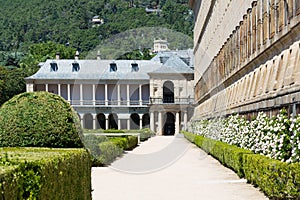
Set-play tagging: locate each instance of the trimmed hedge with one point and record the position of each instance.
(41, 173)
(39, 119)
(278, 180)
(145, 133)
(105, 149)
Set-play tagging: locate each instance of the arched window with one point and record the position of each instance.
(168, 92)
(134, 121)
(113, 121)
(101, 121)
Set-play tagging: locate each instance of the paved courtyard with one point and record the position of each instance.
(169, 168)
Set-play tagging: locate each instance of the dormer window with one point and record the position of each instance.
(75, 67)
(53, 67)
(134, 67)
(113, 67)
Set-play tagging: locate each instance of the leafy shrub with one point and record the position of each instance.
(277, 137)
(91, 142)
(113, 131)
(109, 151)
(145, 133)
(278, 180)
(132, 142)
(120, 142)
(39, 119)
(43, 173)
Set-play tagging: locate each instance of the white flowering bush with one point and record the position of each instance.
(277, 137)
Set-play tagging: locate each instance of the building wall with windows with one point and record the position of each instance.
(246, 56)
(119, 94)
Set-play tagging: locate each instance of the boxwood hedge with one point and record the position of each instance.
(39, 119)
(42, 173)
(278, 180)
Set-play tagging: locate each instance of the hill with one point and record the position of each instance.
(69, 22)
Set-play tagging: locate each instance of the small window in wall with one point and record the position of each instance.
(75, 67)
(53, 67)
(113, 67)
(135, 67)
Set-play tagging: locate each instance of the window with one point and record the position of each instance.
(135, 67)
(76, 67)
(53, 67)
(113, 67)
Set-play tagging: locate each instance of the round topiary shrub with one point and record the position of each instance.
(39, 119)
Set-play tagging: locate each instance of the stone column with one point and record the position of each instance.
(46, 87)
(59, 89)
(119, 124)
(140, 94)
(94, 121)
(119, 94)
(159, 128)
(185, 119)
(128, 93)
(69, 93)
(29, 87)
(81, 94)
(81, 120)
(141, 121)
(106, 94)
(106, 122)
(94, 94)
(177, 124)
(152, 123)
(128, 123)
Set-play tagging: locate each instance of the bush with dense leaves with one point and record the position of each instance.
(276, 137)
(39, 119)
(278, 180)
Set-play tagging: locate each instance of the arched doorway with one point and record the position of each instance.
(168, 92)
(88, 121)
(134, 121)
(146, 121)
(169, 126)
(113, 121)
(101, 121)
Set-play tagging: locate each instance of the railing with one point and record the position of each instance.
(170, 100)
(109, 103)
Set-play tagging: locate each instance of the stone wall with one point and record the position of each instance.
(246, 56)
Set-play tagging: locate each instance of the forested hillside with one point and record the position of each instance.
(69, 22)
(34, 30)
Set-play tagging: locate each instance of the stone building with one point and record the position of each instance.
(124, 94)
(247, 56)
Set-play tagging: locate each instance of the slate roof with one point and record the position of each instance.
(95, 70)
(163, 62)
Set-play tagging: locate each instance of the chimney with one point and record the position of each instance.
(77, 55)
(57, 56)
(98, 55)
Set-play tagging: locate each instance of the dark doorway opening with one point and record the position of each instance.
(113, 121)
(168, 92)
(169, 126)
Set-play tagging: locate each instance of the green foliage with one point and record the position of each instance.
(109, 152)
(41, 173)
(104, 154)
(278, 180)
(69, 22)
(145, 133)
(39, 119)
(113, 131)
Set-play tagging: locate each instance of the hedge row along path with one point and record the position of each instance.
(169, 168)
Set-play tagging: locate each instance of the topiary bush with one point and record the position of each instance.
(39, 119)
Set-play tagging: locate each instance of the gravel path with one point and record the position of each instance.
(169, 168)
